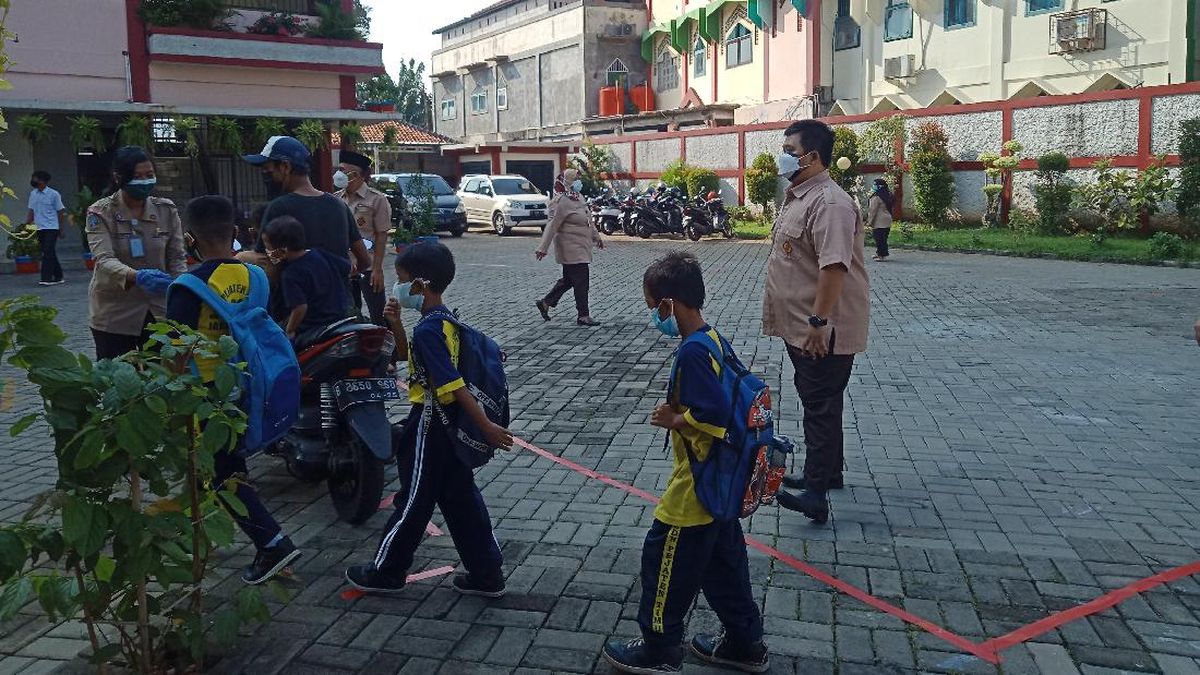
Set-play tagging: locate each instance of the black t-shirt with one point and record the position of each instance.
(328, 223)
(316, 279)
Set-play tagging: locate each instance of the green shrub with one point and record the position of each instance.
(701, 182)
(845, 144)
(1053, 192)
(676, 175)
(1166, 246)
(200, 14)
(1188, 199)
(762, 181)
(739, 213)
(929, 168)
(1054, 162)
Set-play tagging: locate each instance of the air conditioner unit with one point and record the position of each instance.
(900, 67)
(1080, 31)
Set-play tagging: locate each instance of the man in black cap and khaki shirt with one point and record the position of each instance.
(373, 215)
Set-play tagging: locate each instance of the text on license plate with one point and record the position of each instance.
(352, 392)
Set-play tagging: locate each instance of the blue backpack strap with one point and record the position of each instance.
(260, 287)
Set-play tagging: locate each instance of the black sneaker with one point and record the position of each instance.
(468, 584)
(270, 561)
(716, 649)
(634, 656)
(367, 578)
(814, 505)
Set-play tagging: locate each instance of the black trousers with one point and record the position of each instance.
(258, 524)
(113, 345)
(821, 384)
(51, 269)
(881, 240)
(678, 563)
(362, 292)
(433, 475)
(576, 277)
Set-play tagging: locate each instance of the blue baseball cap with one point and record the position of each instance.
(282, 149)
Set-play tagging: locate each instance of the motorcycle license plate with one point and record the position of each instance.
(367, 390)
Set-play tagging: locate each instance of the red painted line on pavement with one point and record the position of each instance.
(1100, 604)
(354, 593)
(804, 568)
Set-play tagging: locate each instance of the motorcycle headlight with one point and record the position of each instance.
(460, 208)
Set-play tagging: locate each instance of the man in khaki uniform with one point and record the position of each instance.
(817, 299)
(373, 215)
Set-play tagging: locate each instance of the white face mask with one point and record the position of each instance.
(577, 186)
(340, 179)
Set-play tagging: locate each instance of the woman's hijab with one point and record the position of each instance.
(562, 184)
(884, 192)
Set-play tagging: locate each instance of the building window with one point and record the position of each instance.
(666, 71)
(502, 98)
(617, 74)
(449, 109)
(479, 101)
(846, 33)
(897, 21)
(739, 47)
(960, 13)
(699, 58)
(1042, 6)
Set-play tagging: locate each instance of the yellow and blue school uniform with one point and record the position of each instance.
(429, 467)
(230, 280)
(685, 551)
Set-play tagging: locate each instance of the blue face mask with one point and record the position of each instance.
(577, 186)
(403, 293)
(141, 188)
(667, 326)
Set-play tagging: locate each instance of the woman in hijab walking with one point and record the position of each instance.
(570, 231)
(879, 217)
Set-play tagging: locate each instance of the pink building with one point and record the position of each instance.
(98, 59)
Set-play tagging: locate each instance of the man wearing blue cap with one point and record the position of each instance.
(328, 223)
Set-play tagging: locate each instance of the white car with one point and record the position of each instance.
(504, 202)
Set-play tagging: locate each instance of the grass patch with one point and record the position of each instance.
(1011, 242)
(751, 229)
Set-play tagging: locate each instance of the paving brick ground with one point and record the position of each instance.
(1021, 437)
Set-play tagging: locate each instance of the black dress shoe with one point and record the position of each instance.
(814, 505)
(796, 482)
(587, 321)
(544, 309)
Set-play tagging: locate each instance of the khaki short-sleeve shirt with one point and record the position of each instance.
(372, 211)
(818, 226)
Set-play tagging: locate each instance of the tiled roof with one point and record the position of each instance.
(406, 134)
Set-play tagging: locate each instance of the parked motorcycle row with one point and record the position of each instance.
(661, 210)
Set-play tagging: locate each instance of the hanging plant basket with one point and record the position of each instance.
(26, 264)
(135, 130)
(86, 133)
(35, 128)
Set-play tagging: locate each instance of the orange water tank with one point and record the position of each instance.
(611, 101)
(643, 97)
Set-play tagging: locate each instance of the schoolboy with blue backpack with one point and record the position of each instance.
(225, 297)
(726, 463)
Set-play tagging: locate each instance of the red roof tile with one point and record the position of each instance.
(406, 134)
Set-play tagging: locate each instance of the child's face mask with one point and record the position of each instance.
(668, 326)
(408, 296)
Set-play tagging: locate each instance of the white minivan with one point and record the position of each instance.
(504, 202)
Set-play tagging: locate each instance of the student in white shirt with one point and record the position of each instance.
(47, 212)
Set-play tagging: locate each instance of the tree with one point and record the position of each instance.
(845, 144)
(414, 104)
(932, 181)
(593, 163)
(762, 181)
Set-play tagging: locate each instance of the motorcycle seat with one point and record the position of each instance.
(348, 325)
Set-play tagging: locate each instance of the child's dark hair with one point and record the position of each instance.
(676, 276)
(429, 261)
(211, 219)
(285, 232)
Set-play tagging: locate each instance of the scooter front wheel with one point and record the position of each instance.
(643, 230)
(693, 233)
(355, 480)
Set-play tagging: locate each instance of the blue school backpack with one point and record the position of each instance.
(745, 468)
(481, 364)
(271, 382)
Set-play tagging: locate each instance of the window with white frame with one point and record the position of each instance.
(739, 46)
(666, 71)
(699, 57)
(449, 109)
(617, 74)
(479, 101)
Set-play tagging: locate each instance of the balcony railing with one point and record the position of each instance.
(289, 6)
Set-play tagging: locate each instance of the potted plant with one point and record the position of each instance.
(35, 128)
(402, 237)
(83, 201)
(266, 127)
(198, 14)
(313, 134)
(277, 23)
(135, 130)
(422, 205)
(86, 133)
(23, 248)
(351, 134)
(335, 24)
(224, 136)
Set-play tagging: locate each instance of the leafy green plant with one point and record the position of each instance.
(35, 128)
(391, 136)
(1121, 199)
(676, 175)
(879, 143)
(200, 14)
(702, 181)
(351, 135)
(224, 136)
(1187, 202)
(1053, 192)
(188, 128)
(125, 538)
(762, 181)
(845, 144)
(929, 168)
(277, 23)
(594, 163)
(266, 127)
(135, 130)
(1166, 246)
(86, 133)
(23, 243)
(313, 134)
(422, 206)
(335, 24)
(739, 213)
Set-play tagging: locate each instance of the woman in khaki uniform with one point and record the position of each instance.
(137, 243)
(570, 231)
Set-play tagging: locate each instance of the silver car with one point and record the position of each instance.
(504, 202)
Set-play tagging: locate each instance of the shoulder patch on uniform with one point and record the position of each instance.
(93, 222)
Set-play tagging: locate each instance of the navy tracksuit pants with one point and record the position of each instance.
(433, 475)
(678, 563)
(258, 524)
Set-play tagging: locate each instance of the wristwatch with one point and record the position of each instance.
(817, 322)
